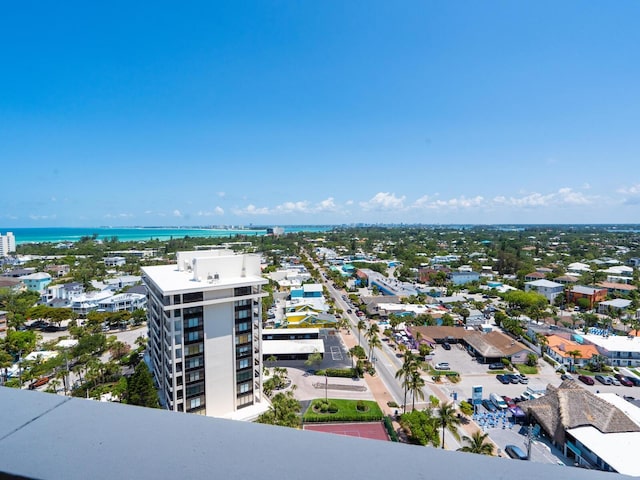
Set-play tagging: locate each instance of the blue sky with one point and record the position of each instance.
(212, 113)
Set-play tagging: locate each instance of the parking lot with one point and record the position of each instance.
(474, 373)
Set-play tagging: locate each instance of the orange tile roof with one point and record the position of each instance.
(561, 346)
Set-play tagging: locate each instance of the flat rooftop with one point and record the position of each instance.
(50, 436)
(169, 279)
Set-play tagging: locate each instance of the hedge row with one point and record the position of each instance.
(390, 430)
(337, 372)
(362, 417)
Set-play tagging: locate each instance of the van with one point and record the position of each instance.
(515, 452)
(498, 401)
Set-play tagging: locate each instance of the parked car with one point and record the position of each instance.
(498, 401)
(349, 311)
(486, 403)
(566, 376)
(513, 377)
(509, 401)
(503, 379)
(515, 452)
(603, 379)
(624, 380)
(446, 346)
(614, 381)
(443, 366)
(586, 379)
(496, 366)
(523, 378)
(634, 380)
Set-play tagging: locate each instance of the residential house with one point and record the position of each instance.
(567, 279)
(617, 304)
(593, 295)
(550, 290)
(618, 288)
(58, 270)
(462, 278)
(558, 348)
(114, 261)
(533, 276)
(36, 282)
(123, 302)
(620, 351)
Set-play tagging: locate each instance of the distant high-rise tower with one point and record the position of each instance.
(205, 333)
(7, 244)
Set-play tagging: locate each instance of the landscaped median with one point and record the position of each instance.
(340, 410)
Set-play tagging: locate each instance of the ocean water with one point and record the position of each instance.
(64, 234)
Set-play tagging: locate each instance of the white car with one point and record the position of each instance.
(443, 366)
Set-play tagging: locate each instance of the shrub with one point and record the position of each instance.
(338, 372)
(388, 424)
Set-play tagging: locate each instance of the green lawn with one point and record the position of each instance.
(526, 369)
(347, 411)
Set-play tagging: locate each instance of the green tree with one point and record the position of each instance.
(362, 325)
(421, 427)
(574, 354)
(140, 389)
(416, 384)
(409, 365)
(284, 411)
(448, 420)
(477, 443)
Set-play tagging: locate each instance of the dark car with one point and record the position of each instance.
(349, 311)
(624, 380)
(510, 402)
(634, 380)
(446, 346)
(489, 405)
(586, 379)
(503, 379)
(515, 452)
(496, 366)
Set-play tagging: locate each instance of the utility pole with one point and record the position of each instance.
(529, 440)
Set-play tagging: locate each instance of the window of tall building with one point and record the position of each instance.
(242, 291)
(193, 297)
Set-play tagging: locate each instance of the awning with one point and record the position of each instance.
(517, 412)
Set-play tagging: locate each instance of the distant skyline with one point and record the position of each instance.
(308, 113)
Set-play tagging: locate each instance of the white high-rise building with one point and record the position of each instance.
(7, 244)
(205, 316)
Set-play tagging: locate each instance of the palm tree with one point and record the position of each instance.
(416, 384)
(362, 325)
(374, 342)
(448, 420)
(574, 354)
(403, 374)
(477, 444)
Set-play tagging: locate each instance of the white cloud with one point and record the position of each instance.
(221, 194)
(453, 203)
(327, 205)
(303, 206)
(216, 212)
(384, 201)
(632, 190)
(349, 202)
(43, 217)
(177, 213)
(564, 196)
(118, 215)
(251, 210)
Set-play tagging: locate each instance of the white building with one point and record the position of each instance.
(123, 302)
(7, 244)
(620, 351)
(114, 261)
(205, 333)
(550, 290)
